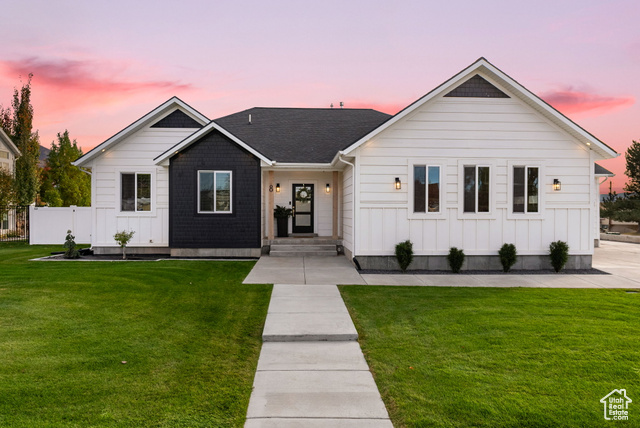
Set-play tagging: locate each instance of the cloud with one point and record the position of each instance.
(572, 101)
(71, 84)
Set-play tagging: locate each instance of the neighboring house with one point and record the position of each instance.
(477, 162)
(8, 154)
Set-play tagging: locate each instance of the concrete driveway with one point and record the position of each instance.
(620, 259)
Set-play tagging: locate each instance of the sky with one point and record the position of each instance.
(100, 65)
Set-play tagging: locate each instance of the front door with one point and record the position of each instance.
(302, 208)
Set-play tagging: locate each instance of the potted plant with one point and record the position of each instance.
(282, 215)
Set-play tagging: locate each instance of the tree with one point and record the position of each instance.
(7, 192)
(18, 124)
(632, 157)
(64, 184)
(628, 208)
(608, 206)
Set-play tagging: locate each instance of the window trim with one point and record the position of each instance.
(541, 189)
(410, 189)
(214, 172)
(493, 189)
(152, 211)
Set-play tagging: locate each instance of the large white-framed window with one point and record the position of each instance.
(426, 189)
(476, 189)
(215, 192)
(136, 190)
(525, 193)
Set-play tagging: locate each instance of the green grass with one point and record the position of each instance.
(189, 332)
(493, 357)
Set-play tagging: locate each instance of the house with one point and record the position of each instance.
(8, 152)
(477, 162)
(8, 155)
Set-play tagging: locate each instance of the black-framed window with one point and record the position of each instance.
(477, 188)
(526, 195)
(215, 191)
(426, 189)
(135, 192)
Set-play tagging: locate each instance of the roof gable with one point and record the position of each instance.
(485, 67)
(477, 87)
(177, 119)
(160, 112)
(6, 140)
(193, 138)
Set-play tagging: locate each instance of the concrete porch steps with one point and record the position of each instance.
(303, 247)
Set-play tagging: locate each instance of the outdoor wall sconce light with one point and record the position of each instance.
(277, 187)
(328, 188)
(556, 184)
(398, 183)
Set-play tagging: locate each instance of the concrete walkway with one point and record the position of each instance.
(620, 260)
(311, 371)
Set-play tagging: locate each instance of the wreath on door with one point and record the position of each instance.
(303, 195)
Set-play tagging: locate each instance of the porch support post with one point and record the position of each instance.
(336, 189)
(269, 214)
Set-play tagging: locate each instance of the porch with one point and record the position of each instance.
(313, 196)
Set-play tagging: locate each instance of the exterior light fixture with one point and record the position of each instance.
(556, 184)
(398, 183)
(277, 187)
(328, 188)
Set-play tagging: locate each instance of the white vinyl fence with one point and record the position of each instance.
(49, 225)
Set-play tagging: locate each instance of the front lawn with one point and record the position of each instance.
(189, 331)
(494, 357)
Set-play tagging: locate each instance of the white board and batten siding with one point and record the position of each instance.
(451, 133)
(134, 154)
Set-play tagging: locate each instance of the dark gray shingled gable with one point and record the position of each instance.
(177, 119)
(477, 87)
(301, 135)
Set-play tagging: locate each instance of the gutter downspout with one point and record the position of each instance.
(353, 220)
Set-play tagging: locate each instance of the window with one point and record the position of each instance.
(4, 154)
(4, 220)
(426, 189)
(135, 192)
(476, 189)
(214, 191)
(525, 189)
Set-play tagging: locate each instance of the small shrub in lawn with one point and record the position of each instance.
(123, 238)
(455, 259)
(404, 254)
(71, 252)
(508, 256)
(559, 254)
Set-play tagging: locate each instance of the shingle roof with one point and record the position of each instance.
(301, 135)
(599, 170)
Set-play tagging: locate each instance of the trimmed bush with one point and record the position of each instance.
(508, 256)
(455, 259)
(559, 254)
(404, 254)
(71, 251)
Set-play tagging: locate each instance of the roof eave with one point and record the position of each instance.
(7, 140)
(483, 65)
(164, 157)
(137, 125)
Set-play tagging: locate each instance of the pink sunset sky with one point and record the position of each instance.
(100, 65)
